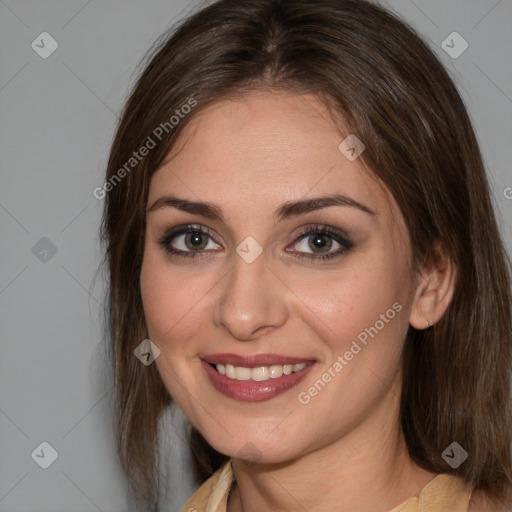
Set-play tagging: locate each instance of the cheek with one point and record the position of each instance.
(169, 303)
(361, 321)
(158, 299)
(343, 304)
(168, 298)
(163, 310)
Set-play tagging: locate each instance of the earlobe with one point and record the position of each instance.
(435, 289)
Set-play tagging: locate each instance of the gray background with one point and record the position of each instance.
(57, 118)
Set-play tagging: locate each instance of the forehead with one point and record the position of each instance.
(262, 149)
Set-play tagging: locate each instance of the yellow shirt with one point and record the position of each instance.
(444, 493)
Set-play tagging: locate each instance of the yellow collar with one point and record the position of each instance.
(444, 492)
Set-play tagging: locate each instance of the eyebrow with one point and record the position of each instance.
(285, 211)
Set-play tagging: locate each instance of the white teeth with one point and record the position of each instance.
(230, 371)
(260, 373)
(275, 371)
(242, 373)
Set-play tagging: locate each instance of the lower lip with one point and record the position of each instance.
(253, 391)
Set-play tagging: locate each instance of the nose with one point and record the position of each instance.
(252, 300)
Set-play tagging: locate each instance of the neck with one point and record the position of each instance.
(336, 476)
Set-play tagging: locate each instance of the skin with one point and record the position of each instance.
(248, 156)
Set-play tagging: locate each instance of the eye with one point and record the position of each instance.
(193, 241)
(322, 240)
(187, 241)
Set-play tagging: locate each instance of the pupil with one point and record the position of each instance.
(319, 242)
(196, 240)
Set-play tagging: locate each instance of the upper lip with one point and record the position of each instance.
(254, 360)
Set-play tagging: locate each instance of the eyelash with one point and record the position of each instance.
(335, 234)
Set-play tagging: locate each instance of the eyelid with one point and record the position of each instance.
(322, 228)
(187, 228)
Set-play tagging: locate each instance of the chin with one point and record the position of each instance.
(254, 446)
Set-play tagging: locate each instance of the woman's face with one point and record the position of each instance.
(304, 304)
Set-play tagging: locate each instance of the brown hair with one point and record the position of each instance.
(396, 97)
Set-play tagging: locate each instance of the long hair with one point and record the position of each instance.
(392, 93)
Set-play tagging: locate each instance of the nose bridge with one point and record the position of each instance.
(251, 299)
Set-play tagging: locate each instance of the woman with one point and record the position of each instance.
(298, 218)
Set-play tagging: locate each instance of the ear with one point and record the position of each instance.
(434, 290)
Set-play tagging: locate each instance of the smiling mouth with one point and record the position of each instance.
(255, 377)
(258, 373)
